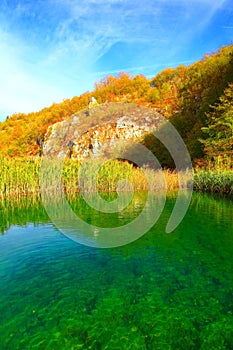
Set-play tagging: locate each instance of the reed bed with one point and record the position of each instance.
(20, 177)
(217, 180)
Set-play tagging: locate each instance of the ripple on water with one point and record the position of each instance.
(164, 291)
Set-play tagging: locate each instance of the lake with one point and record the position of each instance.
(162, 291)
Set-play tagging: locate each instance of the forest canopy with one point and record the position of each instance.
(197, 99)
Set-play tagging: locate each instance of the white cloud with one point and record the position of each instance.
(94, 26)
(23, 88)
(50, 49)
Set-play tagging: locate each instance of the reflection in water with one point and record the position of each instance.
(23, 210)
(20, 211)
(163, 291)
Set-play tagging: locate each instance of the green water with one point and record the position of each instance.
(163, 291)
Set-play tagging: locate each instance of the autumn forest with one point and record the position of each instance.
(197, 99)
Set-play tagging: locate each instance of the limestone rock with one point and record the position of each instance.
(90, 135)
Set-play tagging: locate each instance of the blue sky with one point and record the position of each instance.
(51, 50)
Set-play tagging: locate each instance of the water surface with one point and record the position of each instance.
(163, 291)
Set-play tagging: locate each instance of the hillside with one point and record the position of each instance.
(197, 99)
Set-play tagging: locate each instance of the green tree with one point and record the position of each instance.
(219, 132)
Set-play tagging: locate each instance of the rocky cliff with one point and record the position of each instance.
(92, 131)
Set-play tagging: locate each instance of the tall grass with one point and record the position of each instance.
(215, 177)
(214, 181)
(20, 177)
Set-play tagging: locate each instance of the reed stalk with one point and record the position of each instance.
(20, 177)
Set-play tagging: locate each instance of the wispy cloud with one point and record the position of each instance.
(55, 49)
(132, 69)
(93, 27)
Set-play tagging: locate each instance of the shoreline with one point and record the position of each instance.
(20, 178)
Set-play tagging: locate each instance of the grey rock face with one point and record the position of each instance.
(104, 125)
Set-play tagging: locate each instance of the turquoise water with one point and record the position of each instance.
(163, 291)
